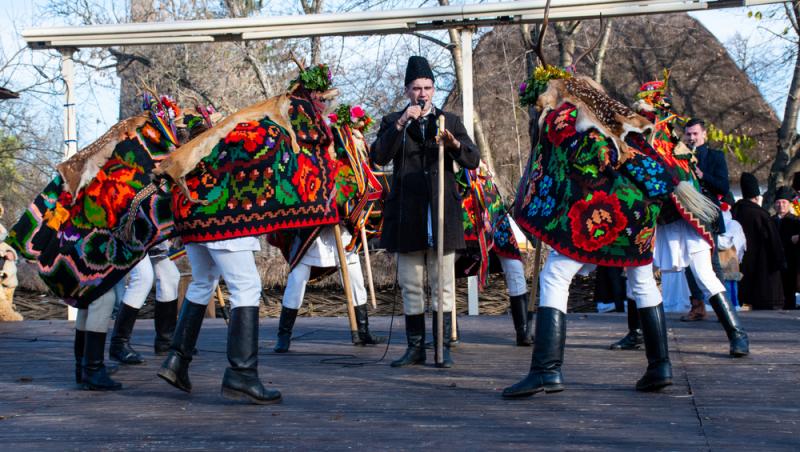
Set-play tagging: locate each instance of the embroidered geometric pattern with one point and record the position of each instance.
(253, 183)
(577, 197)
(76, 243)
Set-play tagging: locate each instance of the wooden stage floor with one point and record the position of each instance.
(332, 402)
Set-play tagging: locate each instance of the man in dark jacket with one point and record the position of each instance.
(408, 139)
(789, 231)
(712, 172)
(763, 261)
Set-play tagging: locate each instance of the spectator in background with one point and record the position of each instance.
(609, 289)
(732, 245)
(763, 261)
(788, 225)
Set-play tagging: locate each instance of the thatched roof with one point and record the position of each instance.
(705, 83)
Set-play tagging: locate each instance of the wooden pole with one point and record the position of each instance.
(348, 291)
(221, 300)
(369, 268)
(440, 250)
(537, 263)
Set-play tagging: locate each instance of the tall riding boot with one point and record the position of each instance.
(696, 313)
(415, 336)
(165, 318)
(79, 345)
(633, 340)
(95, 377)
(519, 311)
(659, 368)
(241, 380)
(365, 337)
(120, 348)
(548, 355)
(447, 324)
(175, 369)
(740, 344)
(285, 325)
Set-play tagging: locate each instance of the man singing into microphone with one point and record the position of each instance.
(408, 139)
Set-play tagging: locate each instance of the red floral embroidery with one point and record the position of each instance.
(111, 191)
(251, 133)
(561, 124)
(644, 239)
(596, 222)
(306, 179)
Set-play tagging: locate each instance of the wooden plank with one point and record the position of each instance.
(716, 403)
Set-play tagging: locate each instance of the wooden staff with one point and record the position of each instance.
(537, 263)
(440, 249)
(369, 267)
(348, 291)
(221, 300)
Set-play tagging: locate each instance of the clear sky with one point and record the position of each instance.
(98, 108)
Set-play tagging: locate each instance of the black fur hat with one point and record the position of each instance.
(418, 67)
(785, 193)
(749, 185)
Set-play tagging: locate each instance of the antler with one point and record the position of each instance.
(297, 62)
(539, 52)
(589, 50)
(147, 87)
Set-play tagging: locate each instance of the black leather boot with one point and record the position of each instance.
(285, 325)
(175, 369)
(78, 346)
(548, 355)
(415, 336)
(529, 325)
(365, 337)
(634, 339)
(659, 368)
(519, 312)
(241, 380)
(120, 348)
(740, 344)
(165, 318)
(94, 376)
(447, 360)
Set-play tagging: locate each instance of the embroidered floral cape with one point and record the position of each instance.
(487, 228)
(254, 183)
(579, 197)
(355, 190)
(664, 145)
(77, 243)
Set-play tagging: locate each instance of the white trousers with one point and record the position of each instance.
(298, 279)
(237, 268)
(704, 276)
(411, 277)
(140, 280)
(555, 278)
(96, 317)
(514, 273)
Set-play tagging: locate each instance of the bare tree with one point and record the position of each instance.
(314, 7)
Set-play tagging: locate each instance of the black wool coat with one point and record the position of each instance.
(414, 192)
(763, 260)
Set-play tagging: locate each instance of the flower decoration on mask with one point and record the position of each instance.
(536, 84)
(163, 112)
(354, 116)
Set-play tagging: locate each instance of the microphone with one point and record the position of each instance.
(421, 105)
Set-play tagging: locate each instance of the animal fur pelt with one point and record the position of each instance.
(82, 167)
(595, 110)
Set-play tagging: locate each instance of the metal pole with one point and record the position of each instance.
(70, 122)
(440, 251)
(468, 108)
(348, 291)
(369, 267)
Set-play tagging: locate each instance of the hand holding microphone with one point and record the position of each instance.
(413, 112)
